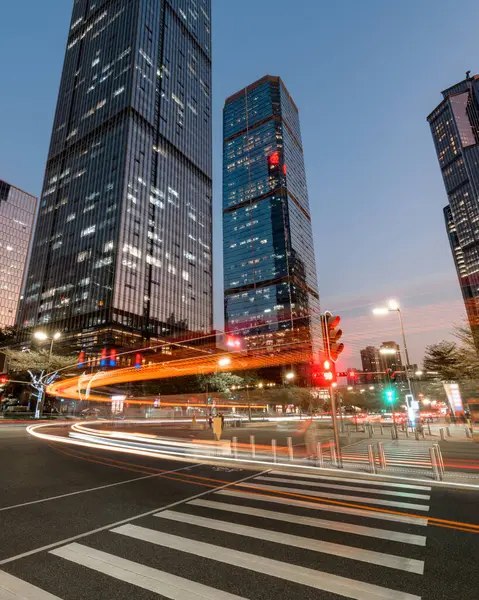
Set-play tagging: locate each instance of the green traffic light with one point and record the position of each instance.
(390, 396)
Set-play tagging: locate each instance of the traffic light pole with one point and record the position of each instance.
(335, 426)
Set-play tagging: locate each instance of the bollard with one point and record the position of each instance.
(381, 455)
(392, 433)
(441, 433)
(468, 432)
(334, 456)
(273, 449)
(252, 444)
(423, 433)
(434, 464)
(371, 459)
(416, 434)
(319, 453)
(429, 428)
(440, 461)
(349, 432)
(407, 431)
(381, 428)
(234, 443)
(448, 431)
(370, 431)
(289, 441)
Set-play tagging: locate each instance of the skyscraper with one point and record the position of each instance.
(271, 291)
(123, 242)
(390, 354)
(455, 129)
(371, 364)
(17, 217)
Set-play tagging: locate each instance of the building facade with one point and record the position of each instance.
(371, 365)
(455, 130)
(270, 281)
(390, 354)
(123, 242)
(17, 218)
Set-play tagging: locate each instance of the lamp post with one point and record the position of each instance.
(41, 336)
(393, 306)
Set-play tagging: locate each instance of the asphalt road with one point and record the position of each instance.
(80, 524)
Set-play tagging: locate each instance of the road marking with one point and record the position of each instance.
(385, 534)
(100, 487)
(123, 521)
(371, 514)
(147, 578)
(362, 481)
(351, 488)
(278, 537)
(12, 588)
(316, 579)
(361, 499)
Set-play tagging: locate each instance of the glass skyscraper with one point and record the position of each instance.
(271, 290)
(17, 217)
(123, 241)
(455, 129)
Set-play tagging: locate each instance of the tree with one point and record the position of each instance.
(443, 358)
(7, 335)
(219, 382)
(22, 362)
(467, 352)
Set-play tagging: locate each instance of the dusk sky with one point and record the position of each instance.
(365, 75)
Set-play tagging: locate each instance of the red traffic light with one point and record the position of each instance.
(3, 379)
(324, 373)
(331, 335)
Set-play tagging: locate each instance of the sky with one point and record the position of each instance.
(364, 75)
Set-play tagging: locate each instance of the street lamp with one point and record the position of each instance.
(41, 336)
(289, 376)
(393, 306)
(224, 362)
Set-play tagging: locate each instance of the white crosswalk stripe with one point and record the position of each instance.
(352, 545)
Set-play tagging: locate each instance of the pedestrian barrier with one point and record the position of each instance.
(381, 455)
(435, 464)
(253, 447)
(440, 461)
(371, 459)
(381, 428)
(289, 441)
(319, 453)
(448, 431)
(234, 444)
(334, 456)
(468, 432)
(441, 433)
(273, 449)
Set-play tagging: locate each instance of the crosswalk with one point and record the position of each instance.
(403, 454)
(278, 535)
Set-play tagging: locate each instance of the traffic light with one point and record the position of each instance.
(103, 357)
(81, 359)
(331, 335)
(324, 373)
(138, 360)
(113, 358)
(390, 395)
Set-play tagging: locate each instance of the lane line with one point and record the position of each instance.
(147, 578)
(362, 481)
(12, 588)
(94, 489)
(305, 492)
(351, 488)
(123, 521)
(422, 521)
(318, 580)
(373, 532)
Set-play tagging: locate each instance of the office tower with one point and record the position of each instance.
(271, 291)
(390, 355)
(371, 365)
(17, 218)
(122, 249)
(455, 129)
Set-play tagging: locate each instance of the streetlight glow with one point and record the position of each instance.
(380, 311)
(393, 305)
(290, 375)
(40, 335)
(350, 387)
(57, 335)
(224, 362)
(387, 351)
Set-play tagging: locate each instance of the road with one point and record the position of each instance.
(80, 524)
